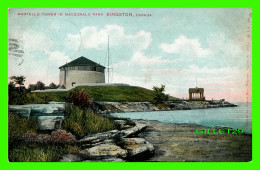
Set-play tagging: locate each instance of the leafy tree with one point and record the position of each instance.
(11, 85)
(11, 91)
(40, 85)
(159, 96)
(31, 87)
(15, 96)
(18, 80)
(53, 86)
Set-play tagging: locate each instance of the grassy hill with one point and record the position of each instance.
(100, 93)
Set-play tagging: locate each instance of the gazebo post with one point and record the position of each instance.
(196, 94)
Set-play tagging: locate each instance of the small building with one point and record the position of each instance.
(196, 94)
(81, 71)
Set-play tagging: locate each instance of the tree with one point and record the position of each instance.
(11, 85)
(18, 80)
(40, 85)
(32, 87)
(53, 86)
(159, 96)
(15, 96)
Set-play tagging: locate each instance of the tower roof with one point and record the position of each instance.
(196, 90)
(81, 61)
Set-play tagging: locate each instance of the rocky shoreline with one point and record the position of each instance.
(119, 107)
(113, 146)
(155, 141)
(143, 140)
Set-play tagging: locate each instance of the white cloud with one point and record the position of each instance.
(136, 71)
(92, 37)
(185, 46)
(141, 60)
(57, 58)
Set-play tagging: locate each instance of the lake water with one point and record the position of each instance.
(236, 117)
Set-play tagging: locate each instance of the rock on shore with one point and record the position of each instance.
(103, 151)
(113, 146)
(138, 148)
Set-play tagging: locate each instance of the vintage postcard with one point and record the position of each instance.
(130, 84)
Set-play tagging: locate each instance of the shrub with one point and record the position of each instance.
(16, 95)
(80, 98)
(53, 86)
(61, 136)
(82, 122)
(34, 98)
(56, 137)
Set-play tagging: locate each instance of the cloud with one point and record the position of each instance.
(32, 40)
(136, 70)
(139, 58)
(91, 37)
(57, 58)
(40, 60)
(186, 47)
(221, 50)
(138, 63)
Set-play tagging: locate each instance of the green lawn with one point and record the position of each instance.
(119, 93)
(100, 93)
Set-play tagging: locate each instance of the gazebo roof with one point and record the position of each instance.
(81, 61)
(196, 90)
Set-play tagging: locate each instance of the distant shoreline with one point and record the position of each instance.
(121, 107)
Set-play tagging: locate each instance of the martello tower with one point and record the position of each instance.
(81, 71)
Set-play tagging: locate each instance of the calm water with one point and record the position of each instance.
(235, 117)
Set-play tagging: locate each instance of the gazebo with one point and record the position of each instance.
(196, 94)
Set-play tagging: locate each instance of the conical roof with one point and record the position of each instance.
(81, 61)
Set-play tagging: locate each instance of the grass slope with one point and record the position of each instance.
(101, 93)
(119, 93)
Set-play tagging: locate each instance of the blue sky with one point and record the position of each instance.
(171, 47)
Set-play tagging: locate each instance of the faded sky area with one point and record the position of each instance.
(171, 47)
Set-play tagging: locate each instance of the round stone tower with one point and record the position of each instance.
(81, 71)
